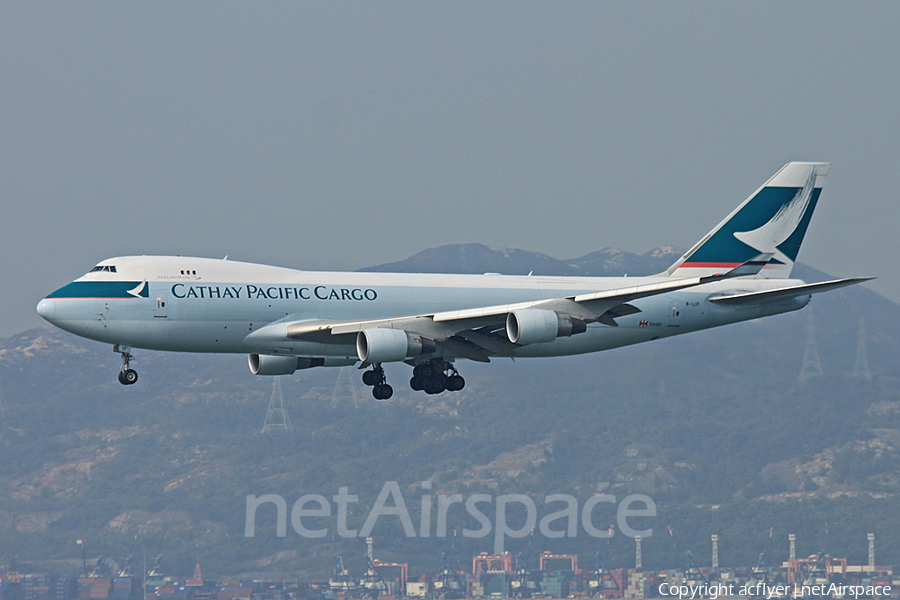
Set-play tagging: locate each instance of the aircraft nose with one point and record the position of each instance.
(47, 309)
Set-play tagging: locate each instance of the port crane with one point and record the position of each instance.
(128, 569)
(692, 573)
(157, 574)
(602, 581)
(340, 581)
(523, 584)
(447, 584)
(372, 584)
(760, 573)
(820, 571)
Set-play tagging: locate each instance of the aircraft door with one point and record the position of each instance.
(159, 304)
(675, 315)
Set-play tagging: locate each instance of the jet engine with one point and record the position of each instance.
(390, 345)
(265, 364)
(535, 325)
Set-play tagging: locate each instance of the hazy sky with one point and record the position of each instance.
(340, 135)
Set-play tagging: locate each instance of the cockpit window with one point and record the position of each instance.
(107, 268)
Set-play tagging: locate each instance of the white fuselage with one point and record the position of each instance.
(203, 305)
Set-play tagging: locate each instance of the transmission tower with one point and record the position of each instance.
(277, 417)
(344, 388)
(861, 368)
(812, 365)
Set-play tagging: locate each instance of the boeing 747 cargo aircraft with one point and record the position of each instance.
(286, 319)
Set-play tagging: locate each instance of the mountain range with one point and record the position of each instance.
(478, 259)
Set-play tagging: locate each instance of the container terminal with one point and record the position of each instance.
(545, 575)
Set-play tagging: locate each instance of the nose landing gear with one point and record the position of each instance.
(375, 378)
(127, 375)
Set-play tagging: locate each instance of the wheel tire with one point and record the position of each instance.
(417, 384)
(382, 391)
(129, 377)
(370, 378)
(425, 371)
(455, 383)
(122, 378)
(435, 386)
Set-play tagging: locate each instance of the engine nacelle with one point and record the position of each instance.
(265, 364)
(535, 325)
(390, 345)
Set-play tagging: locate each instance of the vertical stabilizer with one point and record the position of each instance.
(772, 221)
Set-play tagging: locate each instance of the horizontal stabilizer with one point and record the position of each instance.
(788, 292)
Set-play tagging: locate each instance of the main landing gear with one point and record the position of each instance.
(436, 376)
(375, 378)
(127, 375)
(432, 377)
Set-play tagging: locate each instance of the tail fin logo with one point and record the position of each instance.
(781, 226)
(770, 223)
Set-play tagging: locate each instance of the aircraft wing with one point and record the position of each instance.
(589, 307)
(475, 333)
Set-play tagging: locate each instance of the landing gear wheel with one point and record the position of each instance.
(436, 376)
(127, 375)
(375, 378)
(435, 385)
(455, 383)
(425, 370)
(382, 391)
